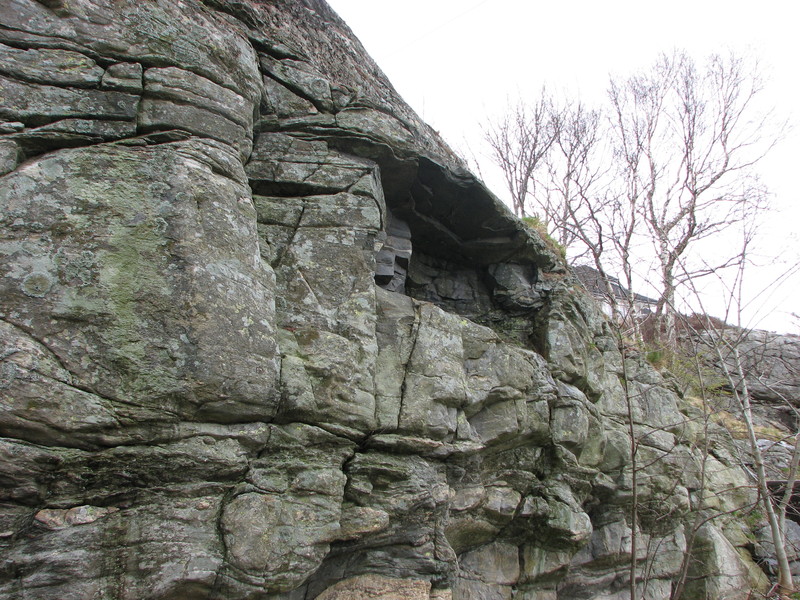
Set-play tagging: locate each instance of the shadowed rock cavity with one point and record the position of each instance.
(391, 261)
(488, 294)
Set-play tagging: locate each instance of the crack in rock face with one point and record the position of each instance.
(263, 335)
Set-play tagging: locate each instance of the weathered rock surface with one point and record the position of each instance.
(263, 336)
(770, 364)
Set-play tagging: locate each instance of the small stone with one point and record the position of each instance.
(364, 587)
(361, 520)
(123, 77)
(55, 518)
(50, 66)
(467, 498)
(10, 156)
(502, 502)
(31, 102)
(11, 127)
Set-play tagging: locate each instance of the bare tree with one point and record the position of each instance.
(518, 143)
(724, 342)
(573, 178)
(688, 138)
(677, 170)
(596, 216)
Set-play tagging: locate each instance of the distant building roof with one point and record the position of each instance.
(593, 282)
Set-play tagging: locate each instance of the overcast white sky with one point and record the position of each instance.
(457, 62)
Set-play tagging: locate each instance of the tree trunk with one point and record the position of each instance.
(785, 581)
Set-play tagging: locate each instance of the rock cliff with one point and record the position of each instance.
(770, 364)
(264, 336)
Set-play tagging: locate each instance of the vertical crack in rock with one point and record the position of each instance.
(414, 337)
(216, 585)
(288, 247)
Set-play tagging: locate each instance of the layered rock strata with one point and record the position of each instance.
(264, 336)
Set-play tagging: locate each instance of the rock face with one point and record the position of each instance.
(263, 336)
(770, 363)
